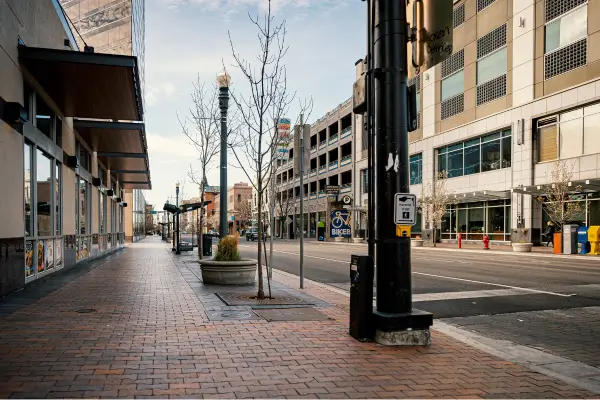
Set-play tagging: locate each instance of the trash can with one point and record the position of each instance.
(570, 239)
(582, 238)
(206, 245)
(594, 239)
(362, 270)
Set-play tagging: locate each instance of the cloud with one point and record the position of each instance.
(154, 93)
(167, 148)
(234, 6)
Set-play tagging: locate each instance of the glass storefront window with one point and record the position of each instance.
(416, 169)
(566, 29)
(44, 116)
(27, 194)
(476, 223)
(44, 194)
(57, 203)
(506, 149)
(472, 159)
(455, 161)
(453, 85)
(495, 222)
(491, 66)
(490, 154)
(82, 207)
(102, 211)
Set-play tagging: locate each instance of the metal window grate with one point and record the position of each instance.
(418, 120)
(491, 90)
(565, 59)
(491, 42)
(415, 81)
(452, 106)
(458, 17)
(481, 4)
(454, 63)
(555, 8)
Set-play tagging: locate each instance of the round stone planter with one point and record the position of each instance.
(228, 272)
(338, 239)
(522, 247)
(416, 243)
(358, 240)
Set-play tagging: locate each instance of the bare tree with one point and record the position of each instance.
(243, 209)
(435, 199)
(267, 102)
(204, 117)
(556, 203)
(284, 205)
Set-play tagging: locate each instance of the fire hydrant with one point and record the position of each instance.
(460, 240)
(486, 242)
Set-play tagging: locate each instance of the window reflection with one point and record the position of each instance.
(44, 194)
(27, 194)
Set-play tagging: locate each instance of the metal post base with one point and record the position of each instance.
(405, 329)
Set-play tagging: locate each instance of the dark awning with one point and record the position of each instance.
(122, 148)
(87, 85)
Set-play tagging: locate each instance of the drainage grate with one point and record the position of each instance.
(231, 315)
(86, 310)
(249, 299)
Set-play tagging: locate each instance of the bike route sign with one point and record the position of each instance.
(340, 224)
(405, 211)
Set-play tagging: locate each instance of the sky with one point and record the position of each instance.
(188, 40)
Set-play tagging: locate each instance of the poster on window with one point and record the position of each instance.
(29, 271)
(95, 246)
(41, 256)
(48, 254)
(58, 254)
(101, 243)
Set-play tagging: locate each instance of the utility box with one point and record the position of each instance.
(582, 238)
(594, 239)
(362, 270)
(570, 239)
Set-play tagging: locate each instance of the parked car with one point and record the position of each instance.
(213, 233)
(252, 234)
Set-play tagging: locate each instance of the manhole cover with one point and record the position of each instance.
(231, 315)
(292, 314)
(249, 299)
(86, 310)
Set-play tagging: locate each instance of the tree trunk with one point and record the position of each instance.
(199, 233)
(434, 238)
(261, 291)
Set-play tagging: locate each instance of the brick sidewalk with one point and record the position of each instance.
(151, 336)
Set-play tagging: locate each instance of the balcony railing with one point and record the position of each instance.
(313, 172)
(322, 168)
(313, 196)
(347, 132)
(313, 148)
(323, 144)
(333, 165)
(346, 160)
(346, 188)
(333, 138)
(322, 194)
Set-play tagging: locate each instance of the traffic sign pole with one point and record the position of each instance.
(394, 297)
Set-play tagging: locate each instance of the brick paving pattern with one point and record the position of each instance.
(151, 336)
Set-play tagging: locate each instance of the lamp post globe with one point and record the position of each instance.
(223, 82)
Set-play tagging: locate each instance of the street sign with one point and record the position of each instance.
(332, 189)
(405, 211)
(435, 36)
(152, 212)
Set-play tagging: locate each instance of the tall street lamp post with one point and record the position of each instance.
(223, 81)
(177, 204)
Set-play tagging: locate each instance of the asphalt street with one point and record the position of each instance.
(549, 303)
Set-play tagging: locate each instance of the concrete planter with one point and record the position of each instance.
(338, 239)
(228, 272)
(358, 240)
(522, 247)
(416, 243)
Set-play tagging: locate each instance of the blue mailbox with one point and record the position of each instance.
(582, 238)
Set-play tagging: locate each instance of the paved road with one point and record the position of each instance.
(546, 302)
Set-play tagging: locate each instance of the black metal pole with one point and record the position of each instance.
(369, 132)
(177, 251)
(223, 104)
(391, 146)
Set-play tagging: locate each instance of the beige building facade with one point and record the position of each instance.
(64, 193)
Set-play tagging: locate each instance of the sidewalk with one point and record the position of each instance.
(151, 334)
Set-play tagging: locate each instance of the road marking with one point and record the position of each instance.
(472, 294)
(493, 284)
(305, 256)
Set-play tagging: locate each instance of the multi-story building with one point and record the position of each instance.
(115, 27)
(66, 156)
(239, 206)
(328, 160)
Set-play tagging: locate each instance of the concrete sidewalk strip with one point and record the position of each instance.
(151, 336)
(571, 372)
